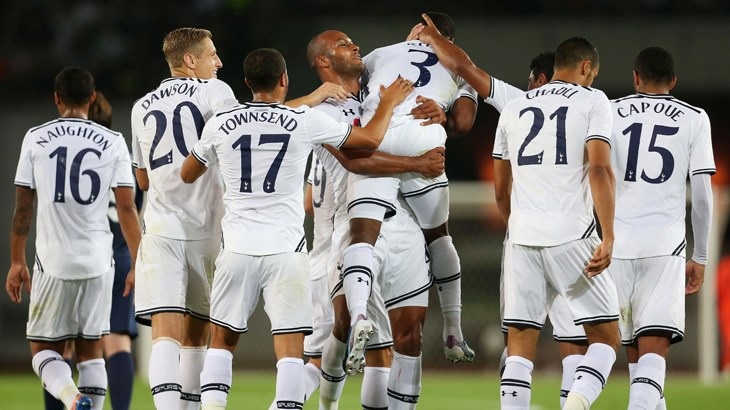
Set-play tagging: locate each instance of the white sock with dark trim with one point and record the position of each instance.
(216, 378)
(404, 382)
(647, 384)
(516, 384)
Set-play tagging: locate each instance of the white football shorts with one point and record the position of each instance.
(283, 280)
(323, 316)
(537, 274)
(69, 309)
(651, 296)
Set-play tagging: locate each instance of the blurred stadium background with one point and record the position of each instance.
(120, 42)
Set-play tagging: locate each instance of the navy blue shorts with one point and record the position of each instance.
(122, 316)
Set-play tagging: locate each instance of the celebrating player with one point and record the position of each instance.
(72, 164)
(182, 222)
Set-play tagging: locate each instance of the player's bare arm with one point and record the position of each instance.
(18, 275)
(503, 187)
(460, 118)
(323, 92)
(603, 188)
(308, 205)
(371, 135)
(454, 58)
(430, 164)
(129, 222)
(191, 169)
(142, 179)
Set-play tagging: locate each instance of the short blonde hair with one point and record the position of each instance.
(181, 41)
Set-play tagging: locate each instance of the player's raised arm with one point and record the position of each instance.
(323, 92)
(371, 135)
(430, 164)
(455, 59)
(18, 275)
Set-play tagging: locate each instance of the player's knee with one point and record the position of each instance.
(409, 341)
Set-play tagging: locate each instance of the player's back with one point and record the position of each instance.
(416, 62)
(72, 164)
(544, 134)
(658, 141)
(262, 150)
(166, 124)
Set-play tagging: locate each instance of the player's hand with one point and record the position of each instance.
(129, 283)
(429, 31)
(18, 277)
(600, 260)
(428, 109)
(415, 31)
(695, 277)
(432, 163)
(397, 92)
(330, 90)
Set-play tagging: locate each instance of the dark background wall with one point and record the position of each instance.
(120, 42)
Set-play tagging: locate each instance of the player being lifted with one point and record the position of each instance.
(262, 148)
(658, 142)
(72, 164)
(181, 222)
(371, 199)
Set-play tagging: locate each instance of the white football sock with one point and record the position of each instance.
(404, 382)
(357, 278)
(290, 383)
(516, 384)
(446, 270)
(311, 380)
(374, 390)
(56, 376)
(647, 384)
(593, 371)
(93, 381)
(569, 365)
(216, 378)
(332, 378)
(164, 373)
(192, 359)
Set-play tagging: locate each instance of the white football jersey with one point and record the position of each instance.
(543, 135)
(166, 124)
(414, 61)
(501, 93)
(262, 151)
(72, 164)
(658, 142)
(323, 204)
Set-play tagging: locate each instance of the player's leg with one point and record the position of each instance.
(200, 259)
(285, 282)
(404, 384)
(160, 302)
(572, 343)
(118, 343)
(593, 303)
(374, 390)
(50, 402)
(333, 375)
(323, 322)
(217, 375)
(234, 295)
(47, 333)
(658, 317)
(524, 317)
(92, 370)
(370, 200)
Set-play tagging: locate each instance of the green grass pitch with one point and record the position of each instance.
(441, 391)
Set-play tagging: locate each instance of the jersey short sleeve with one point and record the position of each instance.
(24, 172)
(322, 129)
(220, 95)
(501, 93)
(701, 160)
(204, 150)
(601, 118)
(500, 150)
(123, 176)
